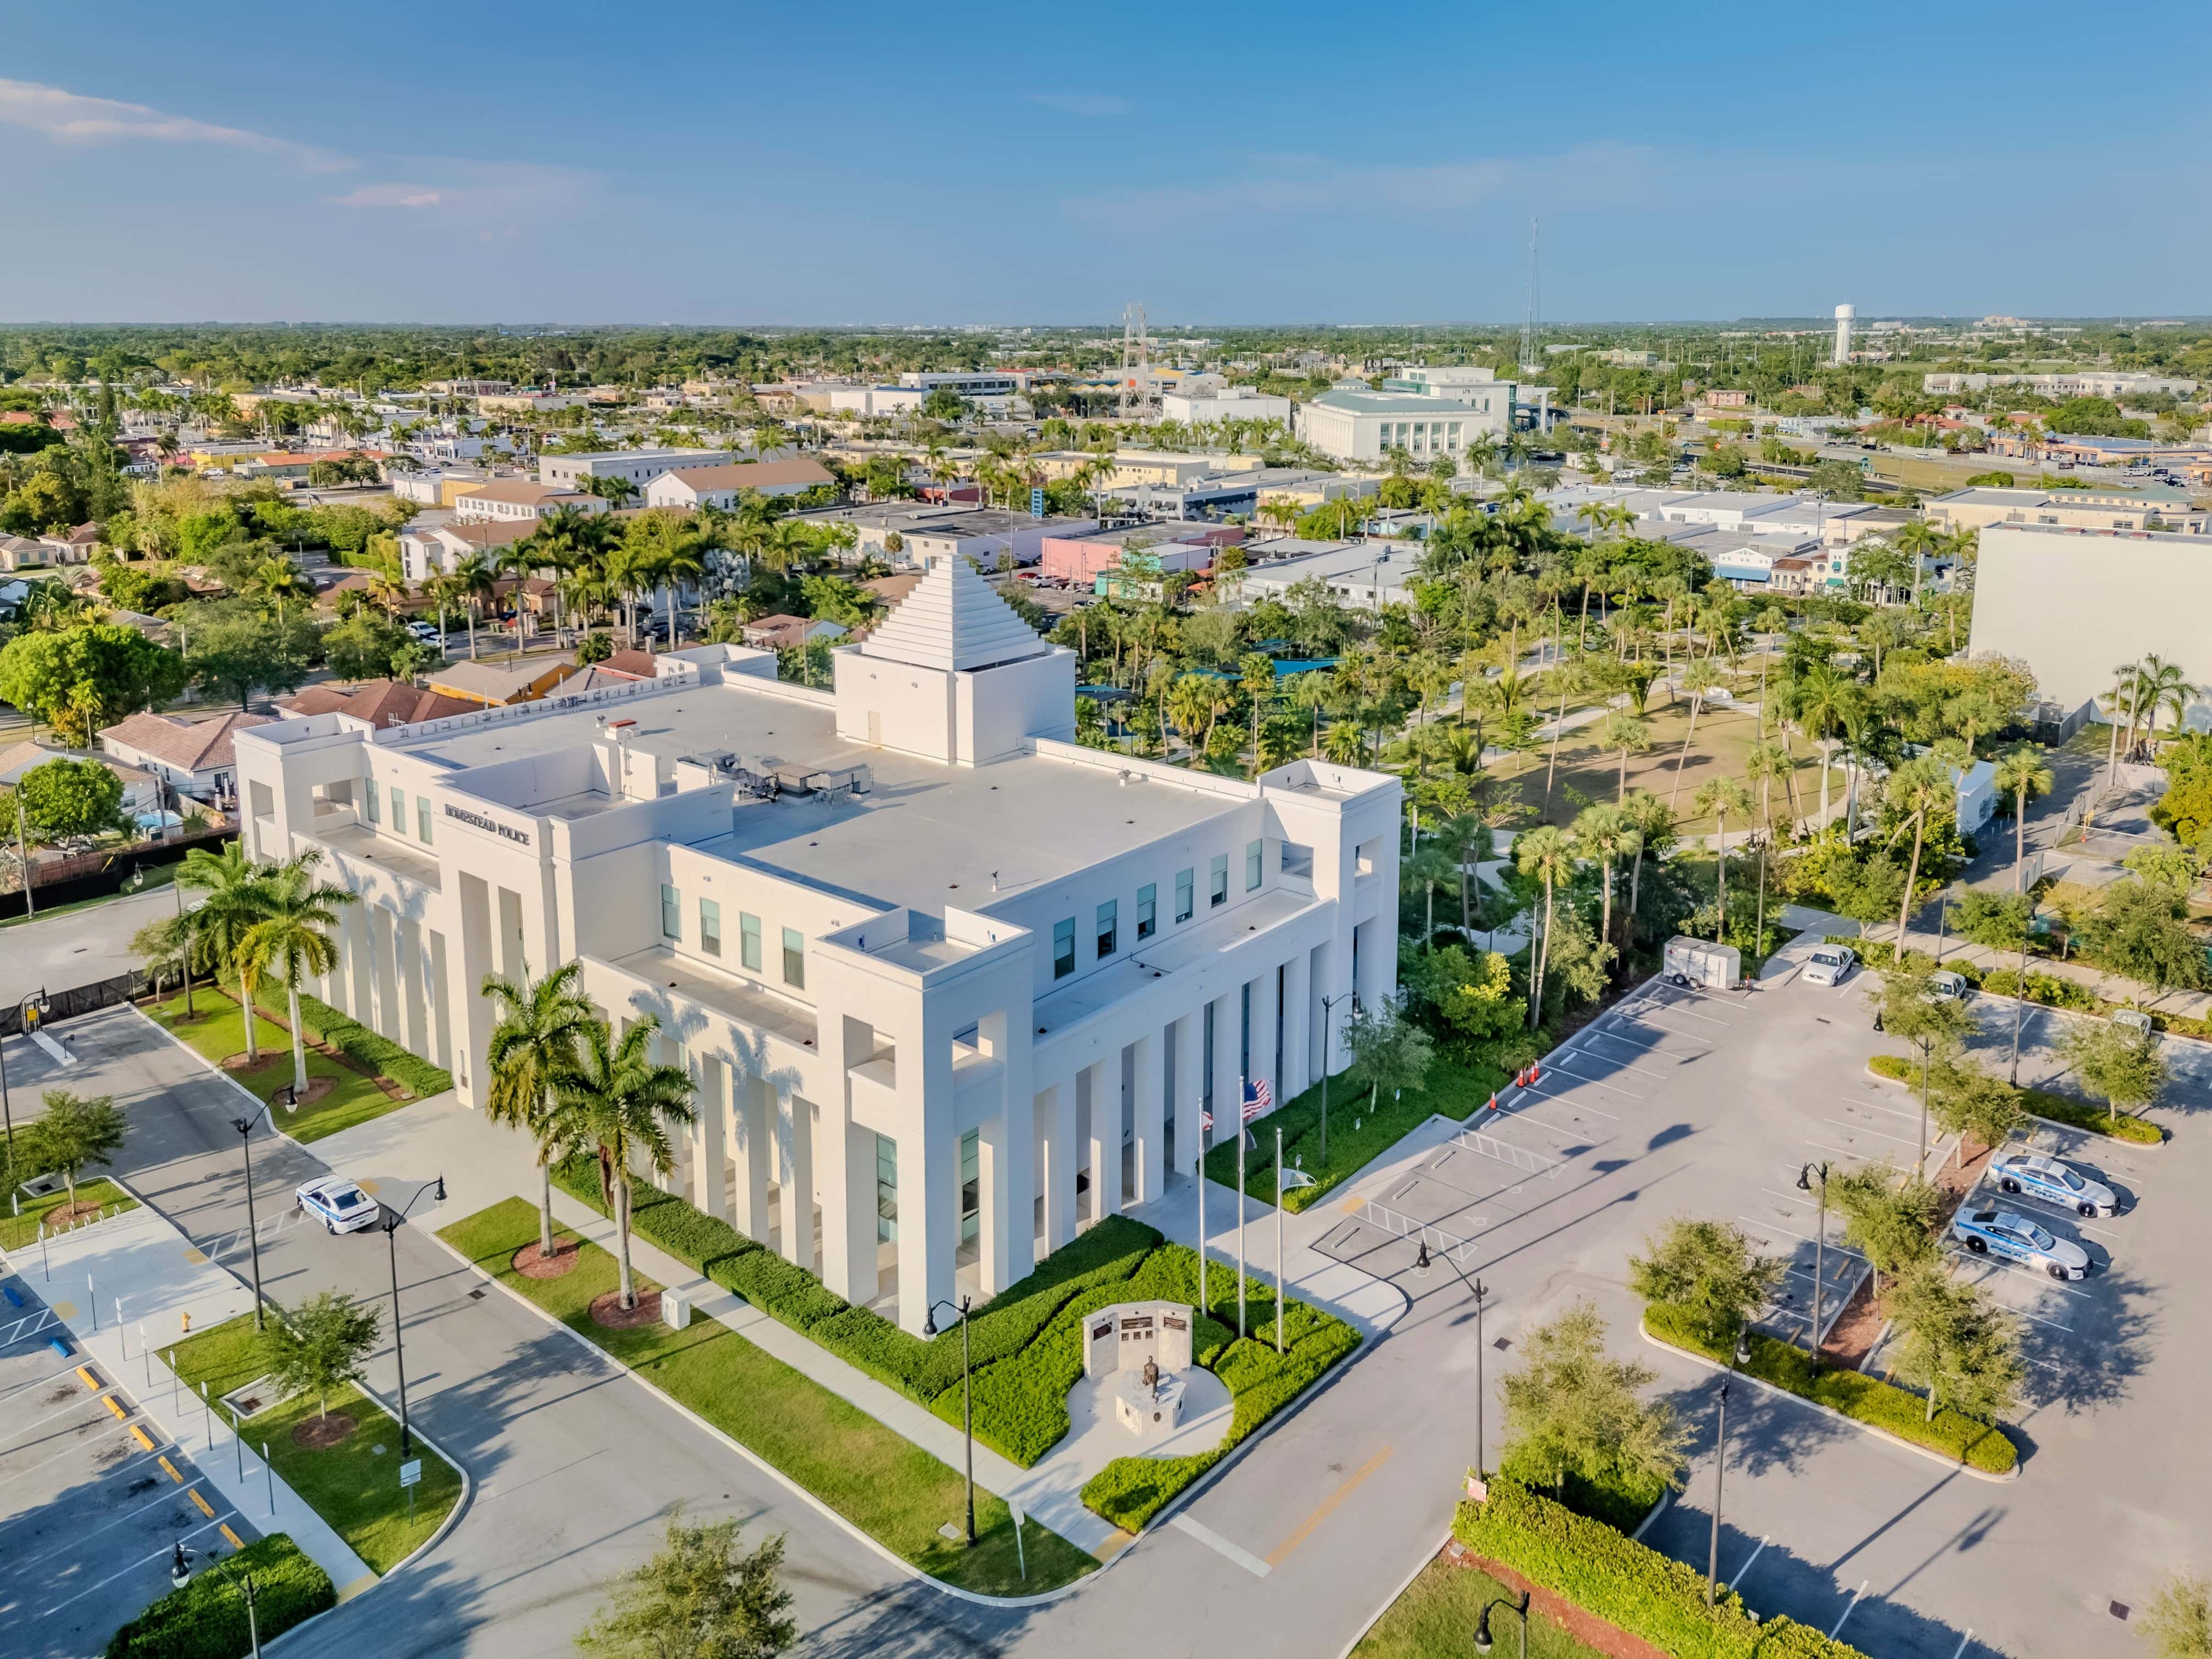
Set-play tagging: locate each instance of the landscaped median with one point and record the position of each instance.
(54, 1211)
(360, 1083)
(889, 1488)
(1898, 1412)
(1027, 1340)
(1357, 1136)
(1601, 1570)
(207, 1619)
(2041, 1102)
(345, 1467)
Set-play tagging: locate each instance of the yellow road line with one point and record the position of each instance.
(145, 1441)
(170, 1469)
(87, 1378)
(1328, 1504)
(224, 1528)
(115, 1405)
(193, 1493)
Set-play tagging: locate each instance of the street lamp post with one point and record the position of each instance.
(6, 1113)
(244, 1127)
(1516, 1604)
(1287, 1181)
(1819, 1250)
(1478, 1289)
(389, 1221)
(1720, 1468)
(180, 1573)
(967, 1400)
(1327, 1004)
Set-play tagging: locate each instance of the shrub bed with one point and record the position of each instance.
(1642, 1592)
(2059, 1109)
(1971, 1440)
(206, 1619)
(365, 1048)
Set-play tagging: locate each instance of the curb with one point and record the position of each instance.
(898, 1564)
(1391, 1601)
(258, 1102)
(1830, 1411)
(453, 1515)
(2159, 1145)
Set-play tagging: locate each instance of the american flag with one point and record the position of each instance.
(1257, 1099)
(1206, 1121)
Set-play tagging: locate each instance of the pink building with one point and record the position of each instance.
(1080, 558)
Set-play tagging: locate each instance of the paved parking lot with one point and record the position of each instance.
(1682, 1103)
(93, 1496)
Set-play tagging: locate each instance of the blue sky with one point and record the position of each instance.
(1240, 163)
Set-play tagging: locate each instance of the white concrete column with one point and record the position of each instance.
(753, 1120)
(1297, 1018)
(1055, 1142)
(359, 924)
(1190, 1088)
(1148, 1056)
(846, 1177)
(1105, 1149)
(441, 1010)
(794, 1139)
(414, 993)
(385, 929)
(929, 1224)
(710, 1176)
(1264, 994)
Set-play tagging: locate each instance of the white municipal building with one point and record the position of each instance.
(950, 985)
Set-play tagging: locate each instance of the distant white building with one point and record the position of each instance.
(2115, 384)
(688, 486)
(1230, 402)
(520, 501)
(640, 466)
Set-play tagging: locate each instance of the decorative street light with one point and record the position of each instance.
(389, 1221)
(1805, 1177)
(1517, 1605)
(1478, 1289)
(180, 1573)
(1327, 1004)
(1287, 1181)
(288, 1097)
(967, 1400)
(1720, 1468)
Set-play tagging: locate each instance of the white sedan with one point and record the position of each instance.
(338, 1204)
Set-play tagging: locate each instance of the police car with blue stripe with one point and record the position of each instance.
(2053, 1181)
(2012, 1236)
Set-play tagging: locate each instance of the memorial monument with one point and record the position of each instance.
(1144, 1347)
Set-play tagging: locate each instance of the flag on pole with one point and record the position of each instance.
(1257, 1099)
(1206, 1121)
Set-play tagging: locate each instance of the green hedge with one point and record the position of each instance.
(1970, 1440)
(206, 1619)
(2060, 1108)
(2050, 990)
(1644, 1593)
(366, 1048)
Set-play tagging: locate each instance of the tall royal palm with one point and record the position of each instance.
(1546, 854)
(2023, 773)
(1722, 798)
(1822, 701)
(237, 898)
(617, 1102)
(533, 1044)
(293, 940)
(474, 582)
(1916, 790)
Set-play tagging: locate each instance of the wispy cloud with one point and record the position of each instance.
(482, 186)
(1291, 186)
(72, 117)
(1088, 104)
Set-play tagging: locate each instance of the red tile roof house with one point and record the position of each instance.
(380, 703)
(69, 546)
(196, 756)
(785, 633)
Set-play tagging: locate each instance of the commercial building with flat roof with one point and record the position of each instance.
(1366, 426)
(1984, 505)
(640, 466)
(949, 985)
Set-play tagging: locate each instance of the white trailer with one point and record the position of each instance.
(1716, 967)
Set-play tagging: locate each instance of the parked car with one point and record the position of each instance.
(2053, 1180)
(2013, 1237)
(1830, 964)
(338, 1204)
(1946, 987)
(2133, 1019)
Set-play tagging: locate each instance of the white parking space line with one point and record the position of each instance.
(1746, 1567)
(1861, 1128)
(160, 1554)
(1848, 1605)
(1840, 1151)
(42, 1462)
(1640, 1070)
(1879, 1106)
(1959, 1652)
(2014, 1270)
(1560, 1061)
(1834, 1248)
(1213, 1540)
(1542, 1093)
(38, 1382)
(1683, 1008)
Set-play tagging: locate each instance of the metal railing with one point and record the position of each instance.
(1506, 1151)
(1441, 1240)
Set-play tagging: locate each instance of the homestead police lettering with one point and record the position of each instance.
(483, 823)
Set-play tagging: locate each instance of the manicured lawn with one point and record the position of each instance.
(220, 1032)
(21, 1229)
(889, 1487)
(353, 1484)
(1434, 1618)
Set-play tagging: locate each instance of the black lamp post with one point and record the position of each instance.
(1478, 1290)
(244, 1127)
(6, 1113)
(180, 1573)
(1326, 1005)
(967, 1400)
(1805, 1177)
(1720, 1468)
(1516, 1604)
(389, 1221)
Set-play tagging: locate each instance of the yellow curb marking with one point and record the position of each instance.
(85, 1376)
(194, 1255)
(170, 1469)
(224, 1528)
(66, 1309)
(145, 1441)
(1114, 1545)
(193, 1493)
(115, 1405)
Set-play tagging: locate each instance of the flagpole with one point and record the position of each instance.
(1200, 1176)
(1279, 1241)
(1241, 1138)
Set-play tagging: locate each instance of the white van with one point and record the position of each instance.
(1946, 987)
(1830, 964)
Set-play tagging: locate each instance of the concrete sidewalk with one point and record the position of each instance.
(138, 1261)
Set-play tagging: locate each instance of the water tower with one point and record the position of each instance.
(1845, 316)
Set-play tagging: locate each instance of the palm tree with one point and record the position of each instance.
(1256, 675)
(1697, 679)
(1309, 691)
(442, 590)
(474, 582)
(1428, 866)
(1466, 841)
(292, 940)
(1622, 730)
(2022, 772)
(683, 561)
(1918, 788)
(1344, 742)
(1607, 834)
(236, 890)
(1823, 700)
(279, 579)
(1922, 540)
(2160, 685)
(618, 1103)
(1718, 798)
(1547, 854)
(533, 1043)
(387, 587)
(1190, 707)
(1762, 764)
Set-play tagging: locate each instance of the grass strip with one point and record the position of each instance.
(220, 1032)
(2059, 1109)
(1434, 1618)
(889, 1487)
(207, 1619)
(21, 1229)
(1970, 1440)
(355, 1485)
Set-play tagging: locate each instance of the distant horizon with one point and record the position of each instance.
(1156, 327)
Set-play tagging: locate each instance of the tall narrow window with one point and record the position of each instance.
(1109, 927)
(399, 811)
(749, 941)
(1063, 948)
(1147, 910)
(794, 959)
(375, 805)
(710, 927)
(971, 1184)
(1253, 864)
(422, 818)
(886, 1190)
(1218, 880)
(671, 912)
(1186, 902)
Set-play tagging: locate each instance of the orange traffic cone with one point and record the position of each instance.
(1537, 1072)
(1494, 1101)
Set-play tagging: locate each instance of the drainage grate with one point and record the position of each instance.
(2118, 1610)
(477, 1294)
(1502, 1343)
